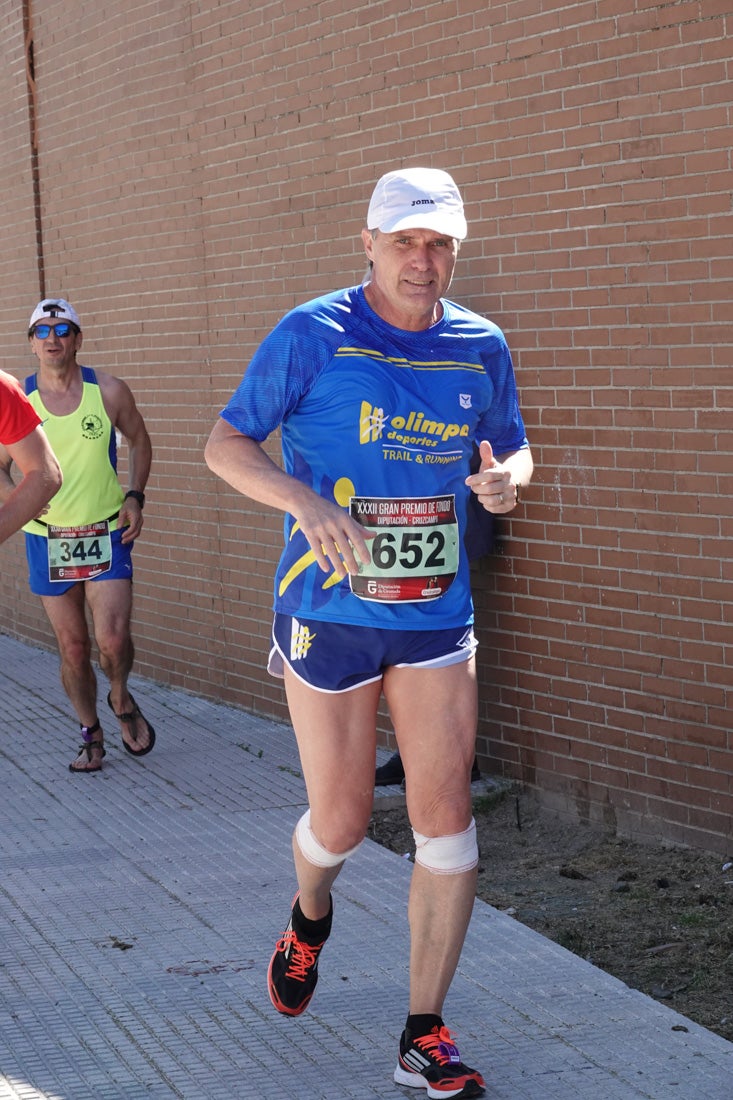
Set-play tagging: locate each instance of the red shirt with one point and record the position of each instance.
(18, 418)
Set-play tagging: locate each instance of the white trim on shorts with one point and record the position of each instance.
(276, 661)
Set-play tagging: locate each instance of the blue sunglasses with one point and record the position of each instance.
(64, 328)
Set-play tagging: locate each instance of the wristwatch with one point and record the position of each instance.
(136, 495)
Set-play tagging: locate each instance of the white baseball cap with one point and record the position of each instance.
(57, 309)
(417, 198)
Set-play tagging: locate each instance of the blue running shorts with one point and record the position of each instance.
(336, 657)
(36, 550)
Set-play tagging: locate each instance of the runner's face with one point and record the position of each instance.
(412, 271)
(56, 351)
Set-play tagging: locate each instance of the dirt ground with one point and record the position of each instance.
(660, 919)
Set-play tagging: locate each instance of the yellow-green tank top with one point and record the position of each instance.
(85, 444)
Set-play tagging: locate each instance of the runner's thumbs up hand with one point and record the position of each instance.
(492, 483)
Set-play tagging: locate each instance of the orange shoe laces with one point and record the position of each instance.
(439, 1044)
(302, 955)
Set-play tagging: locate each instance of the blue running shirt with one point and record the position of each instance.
(383, 421)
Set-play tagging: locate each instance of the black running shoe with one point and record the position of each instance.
(392, 771)
(293, 972)
(389, 773)
(432, 1062)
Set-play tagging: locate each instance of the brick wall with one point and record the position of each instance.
(202, 168)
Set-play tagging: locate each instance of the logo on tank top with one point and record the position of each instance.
(91, 426)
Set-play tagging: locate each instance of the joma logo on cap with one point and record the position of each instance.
(423, 202)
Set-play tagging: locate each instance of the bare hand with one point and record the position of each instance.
(131, 518)
(493, 483)
(338, 542)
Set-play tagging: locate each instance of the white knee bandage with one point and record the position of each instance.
(312, 848)
(447, 855)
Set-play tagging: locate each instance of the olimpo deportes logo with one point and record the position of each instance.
(415, 429)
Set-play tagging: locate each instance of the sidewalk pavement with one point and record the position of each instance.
(139, 908)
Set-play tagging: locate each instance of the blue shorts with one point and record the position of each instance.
(36, 551)
(335, 657)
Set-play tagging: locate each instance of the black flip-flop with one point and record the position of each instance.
(132, 716)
